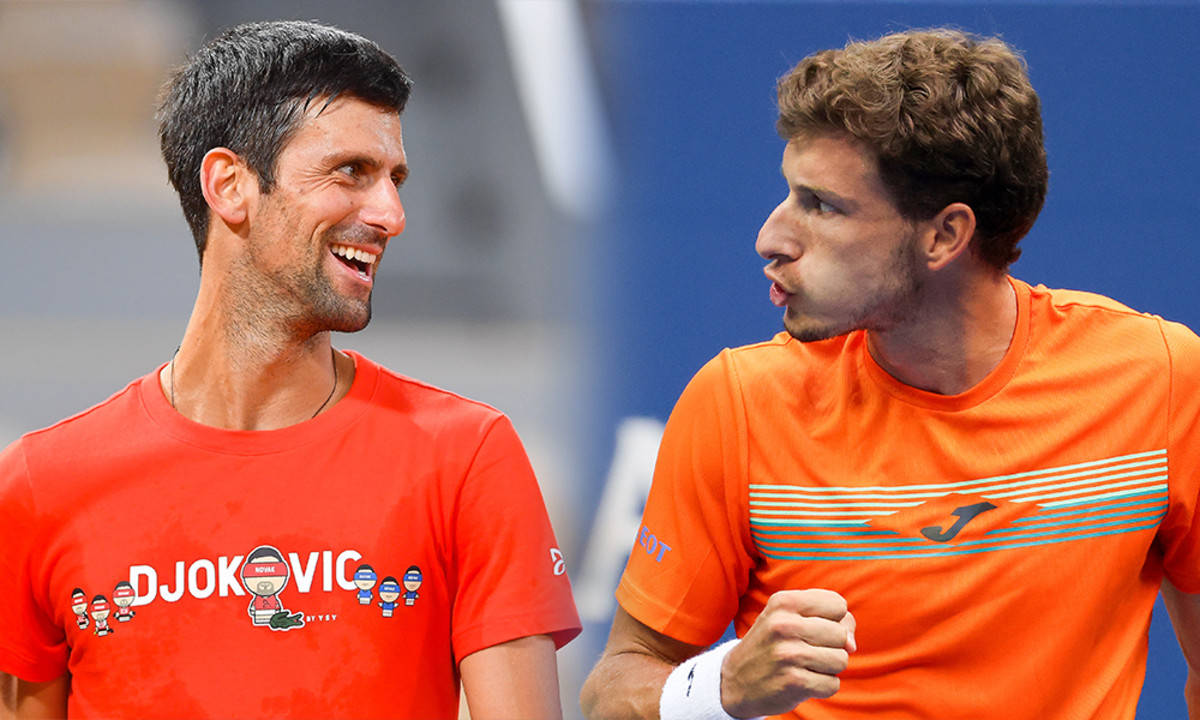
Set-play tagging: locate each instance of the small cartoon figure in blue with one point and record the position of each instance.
(389, 591)
(412, 581)
(100, 612)
(364, 580)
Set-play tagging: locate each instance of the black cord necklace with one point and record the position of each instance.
(332, 390)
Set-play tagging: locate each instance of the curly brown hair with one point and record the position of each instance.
(951, 117)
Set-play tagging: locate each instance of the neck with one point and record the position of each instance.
(958, 334)
(238, 370)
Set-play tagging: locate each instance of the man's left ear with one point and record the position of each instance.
(948, 235)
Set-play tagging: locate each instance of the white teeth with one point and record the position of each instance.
(354, 254)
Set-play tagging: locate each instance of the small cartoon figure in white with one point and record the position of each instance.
(364, 580)
(389, 591)
(412, 581)
(264, 574)
(99, 612)
(123, 597)
(79, 606)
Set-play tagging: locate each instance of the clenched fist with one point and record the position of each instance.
(793, 652)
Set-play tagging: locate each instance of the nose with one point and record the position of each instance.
(775, 241)
(383, 209)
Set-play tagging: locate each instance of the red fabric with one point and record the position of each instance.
(789, 466)
(396, 474)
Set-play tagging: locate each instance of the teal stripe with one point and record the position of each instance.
(1014, 535)
(1152, 496)
(950, 553)
(1094, 499)
(1029, 521)
(1161, 512)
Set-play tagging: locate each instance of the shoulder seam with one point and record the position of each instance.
(398, 377)
(1102, 307)
(1170, 400)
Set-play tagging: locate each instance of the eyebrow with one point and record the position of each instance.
(822, 192)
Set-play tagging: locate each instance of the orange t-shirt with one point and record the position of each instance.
(340, 567)
(1000, 549)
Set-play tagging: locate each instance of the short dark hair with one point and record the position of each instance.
(951, 117)
(247, 90)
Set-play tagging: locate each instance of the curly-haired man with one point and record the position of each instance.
(941, 492)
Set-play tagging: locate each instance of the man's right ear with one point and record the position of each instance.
(223, 180)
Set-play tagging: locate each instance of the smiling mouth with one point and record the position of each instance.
(361, 261)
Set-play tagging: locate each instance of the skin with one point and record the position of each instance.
(256, 353)
(937, 318)
(516, 680)
(1184, 610)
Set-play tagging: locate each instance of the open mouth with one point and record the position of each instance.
(361, 261)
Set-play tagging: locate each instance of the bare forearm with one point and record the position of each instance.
(1191, 692)
(20, 699)
(625, 686)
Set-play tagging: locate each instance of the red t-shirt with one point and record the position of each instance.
(396, 475)
(1001, 549)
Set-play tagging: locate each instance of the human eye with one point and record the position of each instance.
(812, 203)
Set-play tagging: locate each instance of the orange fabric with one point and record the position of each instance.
(1000, 549)
(396, 474)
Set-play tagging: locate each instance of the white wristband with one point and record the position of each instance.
(693, 689)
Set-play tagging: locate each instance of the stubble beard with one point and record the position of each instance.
(302, 299)
(886, 308)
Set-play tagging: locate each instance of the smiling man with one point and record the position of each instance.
(236, 489)
(941, 492)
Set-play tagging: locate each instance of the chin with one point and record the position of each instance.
(807, 330)
(342, 314)
(351, 323)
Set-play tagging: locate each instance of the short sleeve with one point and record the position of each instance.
(511, 575)
(32, 647)
(1179, 533)
(690, 563)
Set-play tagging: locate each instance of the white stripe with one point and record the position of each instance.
(897, 495)
(1106, 496)
(818, 513)
(813, 523)
(1110, 486)
(1143, 474)
(899, 492)
(764, 503)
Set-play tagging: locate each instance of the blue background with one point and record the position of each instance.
(691, 91)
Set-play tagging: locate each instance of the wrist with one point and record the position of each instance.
(693, 689)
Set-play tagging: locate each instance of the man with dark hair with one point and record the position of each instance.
(941, 492)
(284, 142)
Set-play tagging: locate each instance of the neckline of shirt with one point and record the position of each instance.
(261, 442)
(993, 383)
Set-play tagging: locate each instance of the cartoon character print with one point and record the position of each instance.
(123, 597)
(100, 611)
(264, 575)
(412, 581)
(364, 580)
(79, 606)
(389, 592)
